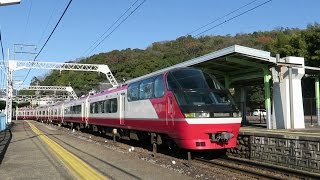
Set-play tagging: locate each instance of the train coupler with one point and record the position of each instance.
(221, 137)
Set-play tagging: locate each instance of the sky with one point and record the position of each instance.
(32, 21)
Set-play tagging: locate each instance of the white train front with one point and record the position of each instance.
(183, 107)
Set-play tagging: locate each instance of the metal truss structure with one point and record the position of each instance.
(38, 98)
(68, 89)
(18, 65)
(14, 65)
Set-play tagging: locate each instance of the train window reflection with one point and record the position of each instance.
(133, 92)
(146, 89)
(158, 87)
(212, 82)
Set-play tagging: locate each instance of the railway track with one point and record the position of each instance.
(239, 166)
(258, 169)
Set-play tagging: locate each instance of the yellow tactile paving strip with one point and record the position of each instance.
(78, 167)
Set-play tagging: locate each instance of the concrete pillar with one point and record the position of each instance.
(267, 99)
(276, 96)
(317, 93)
(281, 95)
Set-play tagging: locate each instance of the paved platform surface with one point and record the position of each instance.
(29, 157)
(309, 133)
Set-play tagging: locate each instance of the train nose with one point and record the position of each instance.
(221, 137)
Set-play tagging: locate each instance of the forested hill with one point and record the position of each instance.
(130, 63)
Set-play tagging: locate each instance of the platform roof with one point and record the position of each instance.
(240, 64)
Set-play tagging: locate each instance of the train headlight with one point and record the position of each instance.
(236, 114)
(189, 115)
(197, 115)
(204, 115)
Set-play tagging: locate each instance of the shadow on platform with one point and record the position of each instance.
(5, 138)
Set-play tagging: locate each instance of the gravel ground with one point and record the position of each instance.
(172, 164)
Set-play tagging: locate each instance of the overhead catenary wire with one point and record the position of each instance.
(52, 30)
(28, 19)
(35, 58)
(238, 15)
(117, 26)
(132, 5)
(50, 18)
(211, 22)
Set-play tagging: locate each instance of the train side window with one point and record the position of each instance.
(146, 89)
(133, 92)
(92, 107)
(113, 105)
(76, 109)
(96, 107)
(158, 87)
(99, 104)
(106, 106)
(102, 106)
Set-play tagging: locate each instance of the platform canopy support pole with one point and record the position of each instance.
(243, 99)
(227, 82)
(266, 79)
(317, 93)
(267, 101)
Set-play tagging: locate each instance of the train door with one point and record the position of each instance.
(83, 111)
(169, 111)
(49, 114)
(122, 104)
(86, 110)
(62, 113)
(36, 114)
(56, 114)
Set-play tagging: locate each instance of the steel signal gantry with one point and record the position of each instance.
(37, 98)
(18, 65)
(69, 89)
(14, 65)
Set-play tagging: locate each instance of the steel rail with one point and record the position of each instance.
(243, 169)
(274, 167)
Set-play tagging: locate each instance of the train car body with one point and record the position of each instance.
(185, 106)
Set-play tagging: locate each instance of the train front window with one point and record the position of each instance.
(194, 88)
(186, 79)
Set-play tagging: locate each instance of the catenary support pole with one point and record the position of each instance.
(9, 94)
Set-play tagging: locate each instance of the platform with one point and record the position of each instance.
(311, 133)
(40, 151)
(297, 149)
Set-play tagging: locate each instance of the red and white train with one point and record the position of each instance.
(183, 106)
